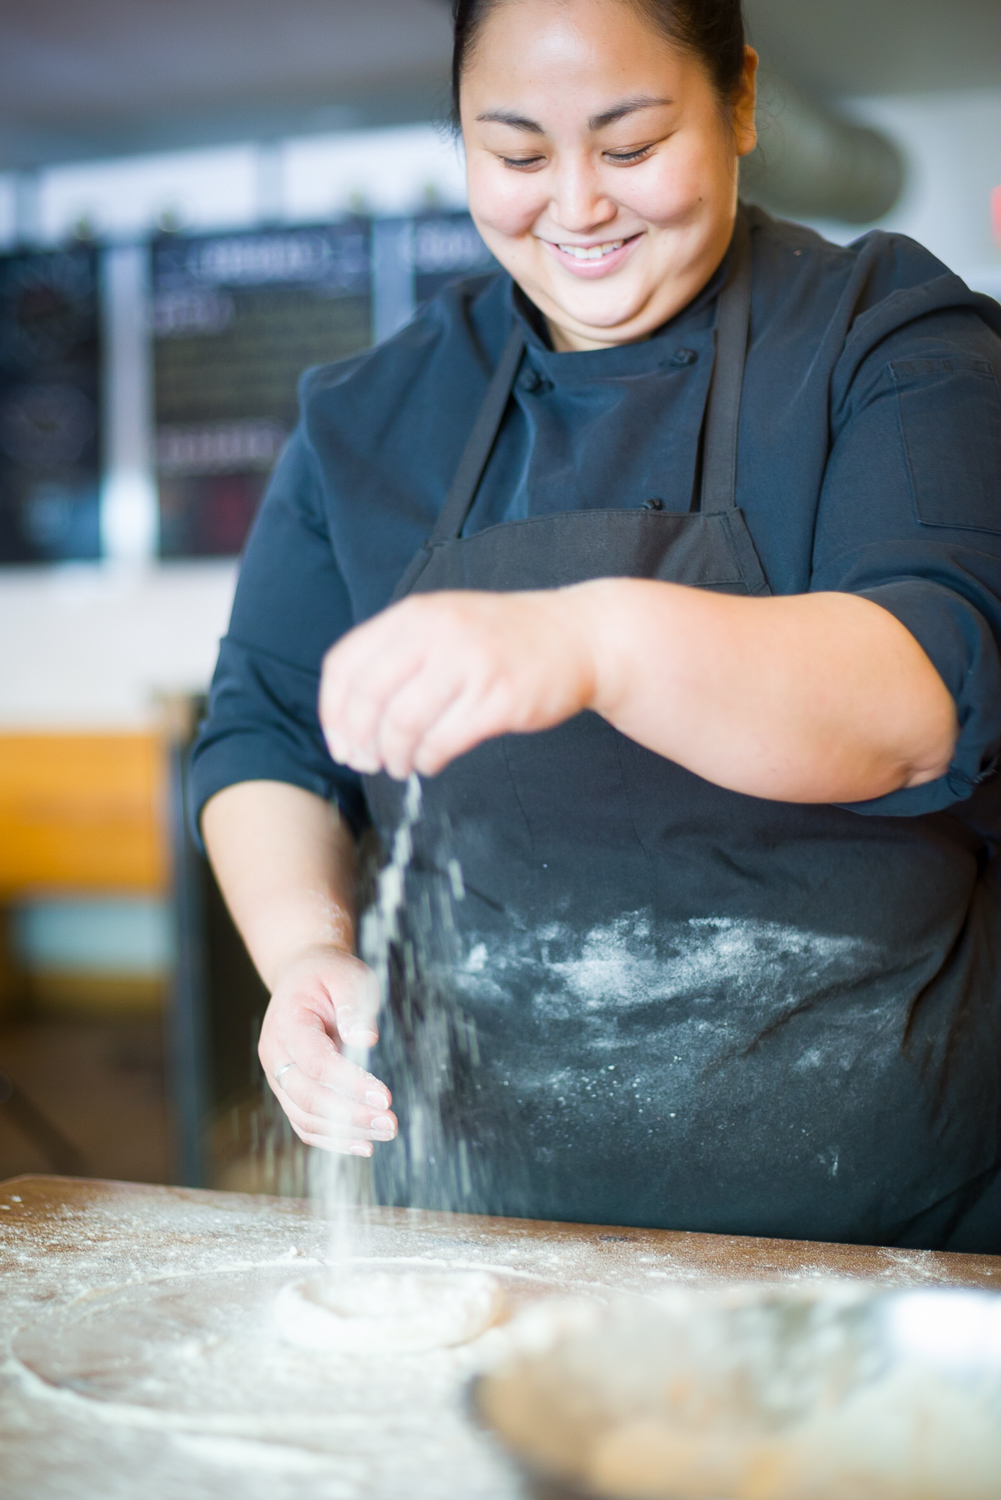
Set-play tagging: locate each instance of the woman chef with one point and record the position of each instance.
(690, 522)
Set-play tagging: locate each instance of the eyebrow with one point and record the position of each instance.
(596, 122)
(627, 107)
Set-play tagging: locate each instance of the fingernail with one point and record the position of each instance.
(377, 1101)
(336, 747)
(360, 1038)
(382, 1124)
(365, 765)
(360, 1148)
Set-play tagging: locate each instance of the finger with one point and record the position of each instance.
(316, 1058)
(363, 645)
(356, 1005)
(333, 1136)
(368, 662)
(366, 670)
(325, 1104)
(318, 1131)
(466, 722)
(351, 990)
(317, 1118)
(327, 1143)
(410, 716)
(371, 701)
(343, 990)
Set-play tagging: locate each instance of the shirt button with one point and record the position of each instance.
(683, 357)
(534, 383)
(653, 504)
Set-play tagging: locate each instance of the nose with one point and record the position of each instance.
(579, 203)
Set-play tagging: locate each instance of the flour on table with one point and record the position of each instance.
(372, 1312)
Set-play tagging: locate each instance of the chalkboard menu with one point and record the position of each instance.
(49, 407)
(236, 320)
(445, 248)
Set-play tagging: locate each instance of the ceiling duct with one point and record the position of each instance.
(813, 164)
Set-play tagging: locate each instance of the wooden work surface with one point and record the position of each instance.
(117, 1301)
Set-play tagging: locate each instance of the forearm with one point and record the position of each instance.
(284, 860)
(806, 698)
(801, 698)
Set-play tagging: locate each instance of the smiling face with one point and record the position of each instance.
(602, 167)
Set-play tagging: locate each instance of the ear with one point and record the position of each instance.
(744, 132)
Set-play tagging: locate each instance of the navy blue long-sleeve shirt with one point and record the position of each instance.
(869, 462)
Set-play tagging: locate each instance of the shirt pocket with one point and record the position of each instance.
(950, 422)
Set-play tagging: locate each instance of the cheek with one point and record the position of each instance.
(697, 171)
(506, 202)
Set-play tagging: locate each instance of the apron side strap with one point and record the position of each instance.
(462, 493)
(415, 568)
(745, 552)
(719, 461)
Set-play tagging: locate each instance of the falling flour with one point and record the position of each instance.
(340, 1184)
(405, 940)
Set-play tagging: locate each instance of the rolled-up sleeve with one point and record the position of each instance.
(291, 604)
(909, 517)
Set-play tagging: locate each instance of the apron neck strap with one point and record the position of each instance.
(462, 493)
(719, 465)
(733, 316)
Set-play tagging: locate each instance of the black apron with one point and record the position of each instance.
(664, 1003)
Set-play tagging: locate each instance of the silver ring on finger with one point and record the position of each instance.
(282, 1071)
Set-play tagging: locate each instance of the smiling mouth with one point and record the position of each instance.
(592, 252)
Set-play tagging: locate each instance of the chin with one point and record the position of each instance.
(599, 318)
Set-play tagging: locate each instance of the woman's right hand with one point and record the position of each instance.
(326, 999)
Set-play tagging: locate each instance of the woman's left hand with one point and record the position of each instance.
(436, 674)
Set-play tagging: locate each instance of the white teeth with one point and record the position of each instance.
(592, 252)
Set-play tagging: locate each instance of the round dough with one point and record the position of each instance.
(375, 1312)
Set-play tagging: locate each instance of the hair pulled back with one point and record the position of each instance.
(710, 30)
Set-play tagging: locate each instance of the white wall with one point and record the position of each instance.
(951, 144)
(208, 190)
(380, 171)
(93, 646)
(388, 171)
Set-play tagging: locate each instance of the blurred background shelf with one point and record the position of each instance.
(129, 1009)
(82, 812)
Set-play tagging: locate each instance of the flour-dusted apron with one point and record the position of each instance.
(670, 1004)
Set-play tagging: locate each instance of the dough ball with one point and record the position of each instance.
(375, 1312)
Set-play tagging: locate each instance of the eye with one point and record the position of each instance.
(523, 163)
(626, 158)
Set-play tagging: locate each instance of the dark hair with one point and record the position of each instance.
(711, 30)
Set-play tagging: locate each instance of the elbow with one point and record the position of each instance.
(932, 757)
(861, 770)
(923, 772)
